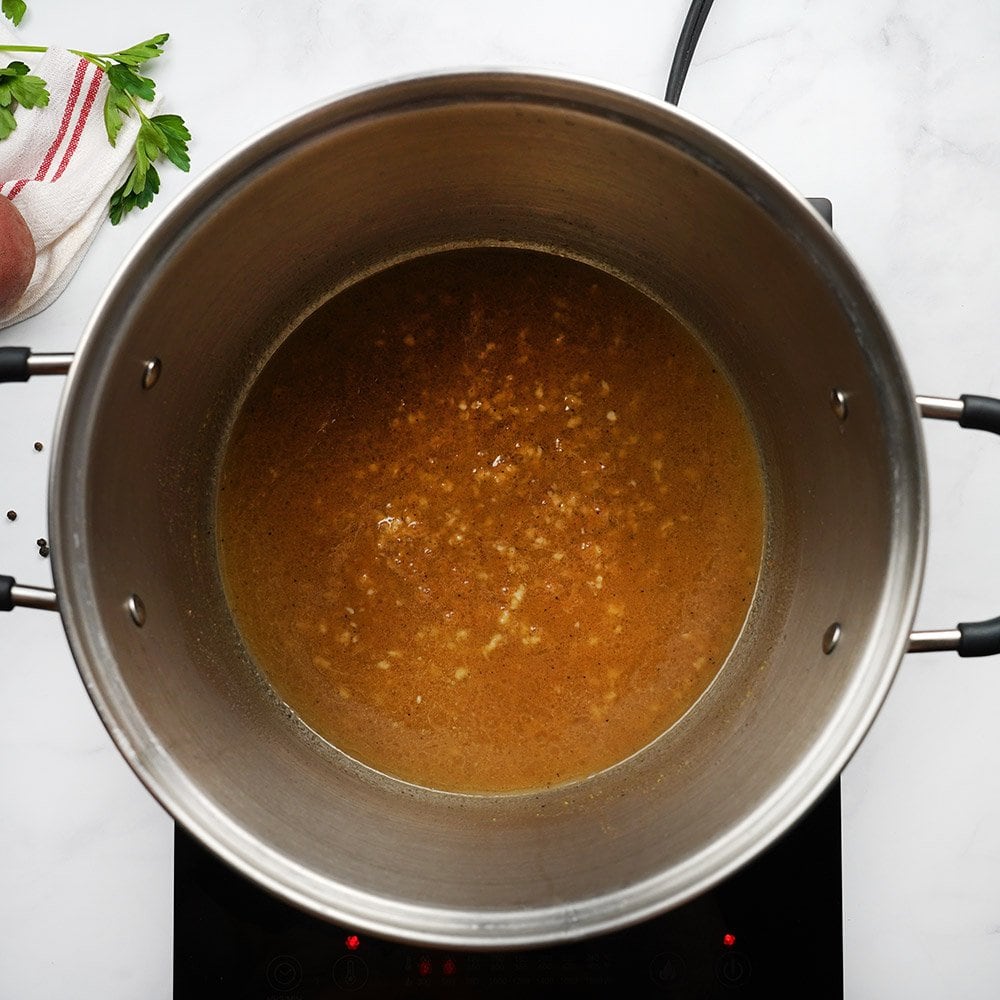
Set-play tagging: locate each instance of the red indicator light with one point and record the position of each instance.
(729, 940)
(449, 968)
(353, 942)
(424, 967)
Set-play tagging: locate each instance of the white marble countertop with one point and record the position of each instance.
(889, 108)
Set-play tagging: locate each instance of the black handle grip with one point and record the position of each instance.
(980, 413)
(14, 364)
(6, 593)
(979, 638)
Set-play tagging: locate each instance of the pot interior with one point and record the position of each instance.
(467, 160)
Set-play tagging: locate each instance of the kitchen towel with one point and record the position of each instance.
(59, 169)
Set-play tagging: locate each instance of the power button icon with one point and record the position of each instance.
(733, 970)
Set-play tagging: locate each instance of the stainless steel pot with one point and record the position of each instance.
(348, 187)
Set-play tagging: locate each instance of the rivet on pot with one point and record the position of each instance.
(831, 637)
(150, 373)
(838, 403)
(137, 610)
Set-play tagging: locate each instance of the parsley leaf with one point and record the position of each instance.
(151, 141)
(136, 179)
(175, 139)
(7, 122)
(133, 193)
(18, 86)
(136, 55)
(14, 9)
(116, 103)
(29, 91)
(125, 78)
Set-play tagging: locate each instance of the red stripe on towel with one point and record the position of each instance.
(74, 95)
(88, 103)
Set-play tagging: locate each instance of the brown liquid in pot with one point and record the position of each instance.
(490, 520)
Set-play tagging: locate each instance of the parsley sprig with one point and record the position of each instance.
(18, 87)
(159, 136)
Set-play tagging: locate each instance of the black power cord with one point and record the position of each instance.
(690, 33)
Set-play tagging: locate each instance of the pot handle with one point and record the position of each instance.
(16, 595)
(981, 413)
(18, 364)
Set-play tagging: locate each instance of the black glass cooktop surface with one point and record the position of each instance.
(773, 929)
